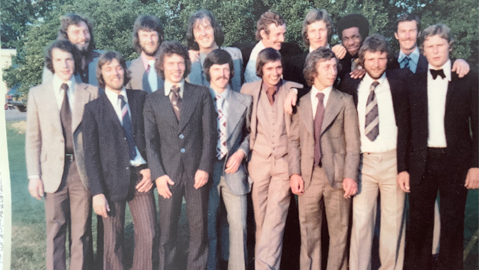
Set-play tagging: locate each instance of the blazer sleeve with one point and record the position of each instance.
(245, 145)
(403, 127)
(33, 138)
(294, 146)
(209, 130)
(152, 140)
(352, 139)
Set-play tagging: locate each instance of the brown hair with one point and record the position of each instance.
(264, 56)
(75, 19)
(218, 57)
(66, 46)
(265, 20)
(217, 29)
(319, 55)
(169, 48)
(315, 15)
(106, 58)
(147, 23)
(373, 43)
(437, 29)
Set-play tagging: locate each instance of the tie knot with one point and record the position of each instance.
(175, 89)
(121, 97)
(64, 87)
(374, 85)
(320, 97)
(407, 58)
(151, 62)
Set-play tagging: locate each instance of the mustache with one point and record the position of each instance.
(220, 78)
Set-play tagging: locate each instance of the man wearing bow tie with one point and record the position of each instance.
(440, 154)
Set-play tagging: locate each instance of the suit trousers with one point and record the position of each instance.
(142, 208)
(70, 205)
(378, 173)
(318, 196)
(236, 214)
(197, 212)
(271, 199)
(438, 176)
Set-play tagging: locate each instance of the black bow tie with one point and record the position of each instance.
(436, 73)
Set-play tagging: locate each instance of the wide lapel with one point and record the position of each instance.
(256, 88)
(235, 112)
(162, 103)
(334, 105)
(49, 102)
(110, 111)
(306, 113)
(82, 97)
(189, 100)
(132, 104)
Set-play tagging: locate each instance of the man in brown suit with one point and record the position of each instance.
(55, 157)
(268, 165)
(323, 157)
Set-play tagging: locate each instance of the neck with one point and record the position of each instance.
(408, 51)
(320, 87)
(208, 50)
(116, 91)
(147, 56)
(218, 90)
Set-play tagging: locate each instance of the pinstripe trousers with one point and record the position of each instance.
(142, 208)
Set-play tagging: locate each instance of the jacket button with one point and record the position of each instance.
(126, 168)
(182, 150)
(181, 136)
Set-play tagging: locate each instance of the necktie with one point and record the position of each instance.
(128, 128)
(318, 127)
(406, 62)
(221, 128)
(372, 128)
(66, 118)
(152, 76)
(435, 73)
(270, 94)
(176, 100)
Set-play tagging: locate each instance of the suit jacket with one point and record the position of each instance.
(253, 89)
(397, 79)
(461, 116)
(422, 65)
(185, 146)
(197, 76)
(44, 141)
(238, 138)
(106, 149)
(140, 77)
(339, 139)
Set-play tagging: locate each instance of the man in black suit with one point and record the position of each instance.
(181, 137)
(116, 164)
(440, 154)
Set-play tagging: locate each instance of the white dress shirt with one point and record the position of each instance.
(313, 97)
(310, 49)
(57, 87)
(387, 137)
(168, 87)
(437, 96)
(117, 106)
(414, 56)
(251, 69)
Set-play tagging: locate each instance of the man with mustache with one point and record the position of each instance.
(79, 31)
(147, 37)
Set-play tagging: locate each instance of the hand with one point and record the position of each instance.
(162, 183)
(297, 184)
(403, 181)
(100, 205)
(201, 178)
(194, 55)
(234, 162)
(350, 187)
(357, 73)
(339, 51)
(35, 187)
(290, 102)
(472, 179)
(146, 183)
(461, 67)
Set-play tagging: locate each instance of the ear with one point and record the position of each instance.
(263, 34)
(396, 35)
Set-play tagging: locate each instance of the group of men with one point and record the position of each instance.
(213, 125)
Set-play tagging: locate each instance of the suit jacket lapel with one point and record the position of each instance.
(189, 101)
(110, 111)
(235, 111)
(257, 87)
(334, 105)
(50, 102)
(306, 113)
(451, 88)
(82, 97)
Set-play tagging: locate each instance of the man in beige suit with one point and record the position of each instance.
(323, 157)
(268, 165)
(55, 157)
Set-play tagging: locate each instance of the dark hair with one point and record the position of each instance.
(437, 29)
(66, 46)
(264, 56)
(319, 55)
(75, 19)
(147, 23)
(407, 17)
(106, 58)
(168, 48)
(218, 57)
(373, 43)
(315, 15)
(217, 29)
(265, 20)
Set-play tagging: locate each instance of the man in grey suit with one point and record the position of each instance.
(55, 157)
(147, 37)
(230, 184)
(180, 134)
(204, 34)
(79, 31)
(323, 155)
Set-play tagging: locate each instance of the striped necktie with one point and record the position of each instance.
(128, 128)
(221, 128)
(372, 128)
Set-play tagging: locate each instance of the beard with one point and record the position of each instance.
(149, 53)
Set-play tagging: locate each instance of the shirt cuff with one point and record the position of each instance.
(33, 176)
(294, 90)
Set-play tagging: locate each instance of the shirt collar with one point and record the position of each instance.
(113, 96)
(265, 86)
(415, 55)
(369, 80)
(224, 94)
(144, 60)
(256, 50)
(447, 69)
(325, 91)
(57, 83)
(168, 86)
(310, 49)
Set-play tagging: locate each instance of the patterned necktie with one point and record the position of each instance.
(221, 128)
(176, 101)
(372, 128)
(406, 62)
(318, 128)
(271, 94)
(66, 118)
(152, 76)
(127, 127)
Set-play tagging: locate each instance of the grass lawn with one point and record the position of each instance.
(28, 217)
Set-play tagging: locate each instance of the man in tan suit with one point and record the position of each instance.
(55, 157)
(268, 165)
(323, 157)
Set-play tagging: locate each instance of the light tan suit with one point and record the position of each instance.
(268, 168)
(340, 147)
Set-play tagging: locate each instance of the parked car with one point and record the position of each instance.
(13, 99)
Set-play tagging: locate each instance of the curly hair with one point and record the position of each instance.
(198, 16)
(106, 58)
(66, 46)
(168, 48)
(75, 19)
(265, 20)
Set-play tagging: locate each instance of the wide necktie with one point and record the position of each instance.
(318, 128)
(372, 126)
(406, 62)
(127, 127)
(435, 73)
(271, 94)
(176, 101)
(152, 76)
(66, 118)
(221, 128)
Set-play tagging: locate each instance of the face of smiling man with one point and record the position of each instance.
(174, 68)
(204, 35)
(219, 77)
(113, 73)
(63, 64)
(407, 36)
(79, 35)
(148, 42)
(272, 72)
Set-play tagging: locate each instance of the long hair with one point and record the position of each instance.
(194, 19)
(148, 23)
(106, 58)
(169, 48)
(75, 19)
(66, 46)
